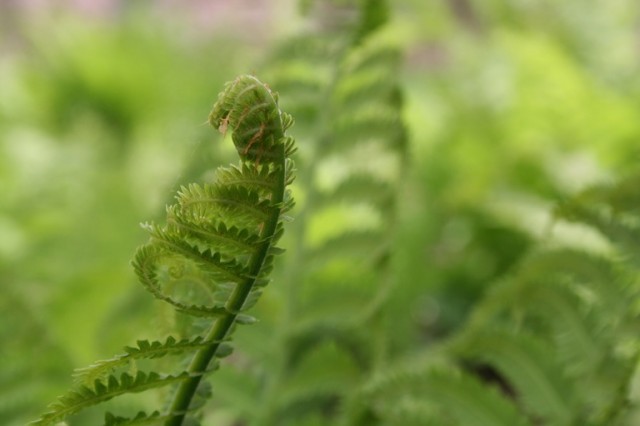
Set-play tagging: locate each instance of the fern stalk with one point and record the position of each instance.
(231, 110)
(222, 326)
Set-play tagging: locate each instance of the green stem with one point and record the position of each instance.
(221, 328)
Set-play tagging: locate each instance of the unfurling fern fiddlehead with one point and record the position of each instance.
(219, 244)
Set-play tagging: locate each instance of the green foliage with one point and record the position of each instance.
(557, 337)
(439, 395)
(463, 250)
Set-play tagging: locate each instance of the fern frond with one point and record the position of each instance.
(247, 175)
(233, 203)
(337, 280)
(210, 235)
(311, 385)
(361, 187)
(530, 366)
(144, 265)
(249, 109)
(142, 418)
(591, 272)
(612, 209)
(305, 337)
(220, 242)
(359, 245)
(581, 343)
(366, 68)
(211, 261)
(83, 397)
(87, 376)
(624, 233)
(451, 394)
(377, 122)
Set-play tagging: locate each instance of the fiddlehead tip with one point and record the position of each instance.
(249, 108)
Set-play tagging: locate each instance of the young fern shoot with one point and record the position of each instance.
(219, 238)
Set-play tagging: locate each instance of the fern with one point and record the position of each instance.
(219, 244)
(611, 209)
(341, 84)
(536, 376)
(144, 350)
(580, 307)
(553, 343)
(437, 394)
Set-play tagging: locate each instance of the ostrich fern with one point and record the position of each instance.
(210, 260)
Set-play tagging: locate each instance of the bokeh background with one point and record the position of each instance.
(510, 106)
